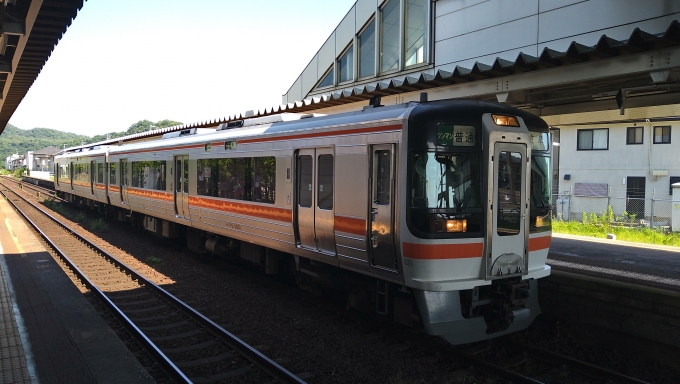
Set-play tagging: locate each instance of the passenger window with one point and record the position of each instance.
(325, 177)
(382, 182)
(305, 181)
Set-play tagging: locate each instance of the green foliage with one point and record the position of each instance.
(639, 234)
(15, 140)
(99, 225)
(55, 206)
(79, 217)
(146, 125)
(153, 260)
(19, 172)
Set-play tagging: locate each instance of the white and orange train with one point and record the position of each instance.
(435, 213)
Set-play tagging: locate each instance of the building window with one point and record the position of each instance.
(634, 135)
(414, 32)
(346, 66)
(389, 36)
(592, 139)
(367, 51)
(327, 79)
(662, 135)
(674, 179)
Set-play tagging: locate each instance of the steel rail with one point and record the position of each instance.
(250, 353)
(168, 365)
(556, 358)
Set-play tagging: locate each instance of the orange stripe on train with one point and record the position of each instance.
(442, 251)
(264, 212)
(350, 225)
(151, 194)
(538, 243)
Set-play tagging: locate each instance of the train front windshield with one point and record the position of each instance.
(541, 182)
(445, 192)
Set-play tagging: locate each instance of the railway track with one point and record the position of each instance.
(499, 358)
(189, 346)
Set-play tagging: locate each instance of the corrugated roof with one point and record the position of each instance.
(49, 25)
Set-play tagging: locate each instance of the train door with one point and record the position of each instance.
(181, 173)
(124, 180)
(381, 194)
(315, 199)
(93, 175)
(509, 211)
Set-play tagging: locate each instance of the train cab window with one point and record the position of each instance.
(112, 174)
(509, 193)
(325, 177)
(540, 194)
(445, 194)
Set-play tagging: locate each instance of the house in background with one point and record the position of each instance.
(43, 159)
(15, 161)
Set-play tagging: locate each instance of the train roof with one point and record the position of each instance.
(290, 123)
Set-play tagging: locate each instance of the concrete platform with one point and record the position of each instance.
(49, 332)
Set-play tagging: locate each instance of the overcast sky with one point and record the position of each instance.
(123, 61)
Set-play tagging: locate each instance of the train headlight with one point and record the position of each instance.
(456, 225)
(505, 121)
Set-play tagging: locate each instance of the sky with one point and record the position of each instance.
(128, 60)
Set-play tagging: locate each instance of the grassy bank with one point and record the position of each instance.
(638, 235)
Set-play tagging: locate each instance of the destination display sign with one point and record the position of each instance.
(456, 135)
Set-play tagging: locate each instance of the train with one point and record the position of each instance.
(433, 213)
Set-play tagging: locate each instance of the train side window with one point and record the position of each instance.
(100, 173)
(149, 175)
(325, 184)
(304, 181)
(264, 179)
(112, 173)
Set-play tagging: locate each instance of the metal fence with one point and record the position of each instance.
(625, 211)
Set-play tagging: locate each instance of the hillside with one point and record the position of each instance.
(16, 140)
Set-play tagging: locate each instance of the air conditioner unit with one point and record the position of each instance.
(659, 172)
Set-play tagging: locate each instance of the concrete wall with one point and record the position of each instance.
(647, 318)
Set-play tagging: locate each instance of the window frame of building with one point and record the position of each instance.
(370, 26)
(672, 180)
(384, 37)
(328, 75)
(635, 131)
(664, 139)
(579, 132)
(421, 58)
(349, 62)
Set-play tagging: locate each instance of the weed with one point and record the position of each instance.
(99, 225)
(153, 260)
(79, 217)
(640, 234)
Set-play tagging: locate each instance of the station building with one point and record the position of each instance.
(605, 74)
